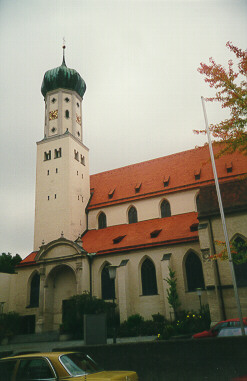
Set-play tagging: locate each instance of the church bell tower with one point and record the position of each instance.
(62, 169)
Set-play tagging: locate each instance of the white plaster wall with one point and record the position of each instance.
(180, 202)
(149, 305)
(134, 300)
(7, 291)
(61, 123)
(68, 179)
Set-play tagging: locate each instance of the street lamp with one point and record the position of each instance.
(112, 271)
(199, 293)
(112, 274)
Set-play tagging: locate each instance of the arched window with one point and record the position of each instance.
(165, 209)
(34, 291)
(194, 274)
(132, 215)
(240, 247)
(102, 221)
(107, 285)
(148, 274)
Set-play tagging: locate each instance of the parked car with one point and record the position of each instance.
(213, 331)
(56, 366)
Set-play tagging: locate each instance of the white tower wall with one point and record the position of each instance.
(63, 112)
(62, 171)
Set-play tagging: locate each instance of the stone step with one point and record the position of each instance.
(35, 338)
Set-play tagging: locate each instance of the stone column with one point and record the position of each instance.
(79, 276)
(123, 290)
(165, 264)
(40, 316)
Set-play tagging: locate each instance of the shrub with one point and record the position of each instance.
(132, 326)
(137, 326)
(9, 324)
(168, 331)
(135, 320)
(191, 321)
(188, 322)
(79, 305)
(158, 318)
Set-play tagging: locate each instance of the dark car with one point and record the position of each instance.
(213, 331)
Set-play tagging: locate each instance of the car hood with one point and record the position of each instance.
(202, 334)
(107, 376)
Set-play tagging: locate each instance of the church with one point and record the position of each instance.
(140, 220)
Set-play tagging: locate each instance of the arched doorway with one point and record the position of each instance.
(60, 286)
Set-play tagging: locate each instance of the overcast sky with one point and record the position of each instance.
(139, 60)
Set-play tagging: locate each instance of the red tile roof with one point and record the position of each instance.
(126, 237)
(29, 260)
(233, 194)
(179, 168)
(174, 229)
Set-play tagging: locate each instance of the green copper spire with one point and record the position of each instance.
(63, 77)
(63, 63)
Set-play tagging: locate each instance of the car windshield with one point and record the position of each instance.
(78, 364)
(219, 326)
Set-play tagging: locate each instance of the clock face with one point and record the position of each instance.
(53, 114)
(78, 119)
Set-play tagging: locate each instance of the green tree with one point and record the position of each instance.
(231, 92)
(8, 262)
(172, 294)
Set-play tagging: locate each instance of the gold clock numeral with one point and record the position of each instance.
(53, 114)
(78, 119)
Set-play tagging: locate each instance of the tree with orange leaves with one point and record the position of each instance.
(238, 250)
(231, 86)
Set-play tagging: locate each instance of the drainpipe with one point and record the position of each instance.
(217, 271)
(90, 257)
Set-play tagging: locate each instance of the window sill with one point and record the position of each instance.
(32, 306)
(195, 291)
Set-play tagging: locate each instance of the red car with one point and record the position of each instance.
(213, 332)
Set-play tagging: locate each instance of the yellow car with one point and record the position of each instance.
(55, 366)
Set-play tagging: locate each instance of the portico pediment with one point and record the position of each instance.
(61, 248)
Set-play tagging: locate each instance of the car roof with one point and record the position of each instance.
(234, 319)
(39, 354)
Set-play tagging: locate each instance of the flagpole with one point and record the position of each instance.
(223, 220)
